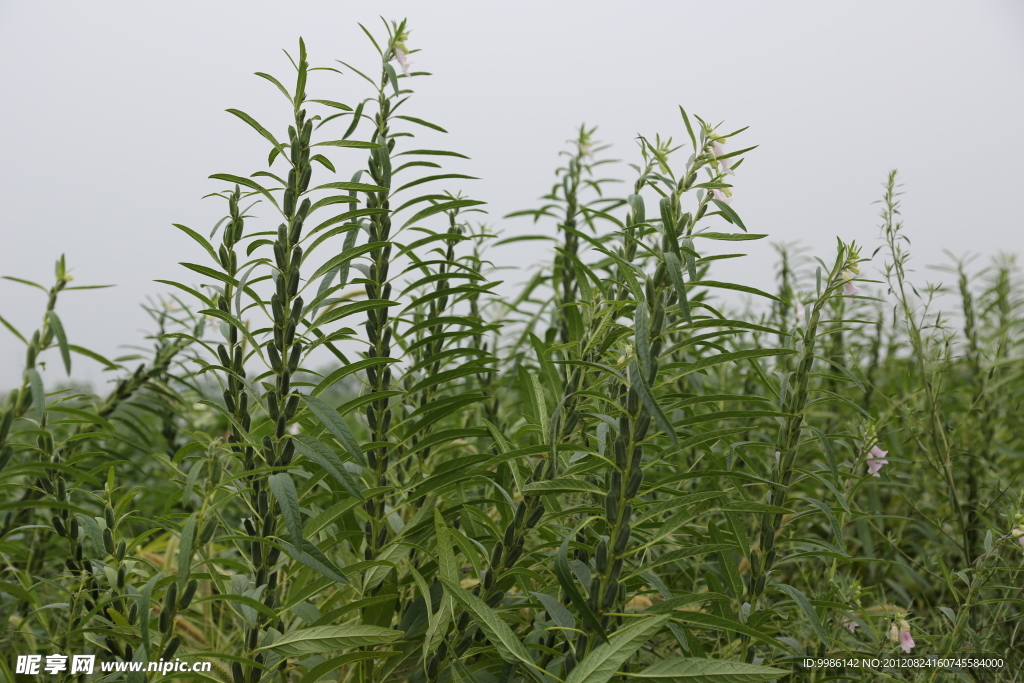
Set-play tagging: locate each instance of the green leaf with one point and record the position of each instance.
(719, 624)
(556, 610)
(729, 236)
(506, 643)
(563, 572)
(604, 660)
(62, 340)
(676, 274)
(837, 529)
(639, 382)
(428, 124)
(331, 103)
(187, 544)
(334, 423)
(562, 485)
(642, 337)
(12, 330)
(443, 206)
(729, 214)
(826, 448)
(347, 370)
(805, 606)
(287, 498)
(329, 460)
(301, 549)
(331, 639)
(256, 125)
(358, 144)
(38, 394)
(346, 257)
(324, 668)
(686, 670)
(735, 288)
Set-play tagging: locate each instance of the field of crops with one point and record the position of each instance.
(355, 452)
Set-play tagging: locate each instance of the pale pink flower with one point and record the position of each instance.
(906, 640)
(800, 310)
(716, 148)
(849, 289)
(721, 196)
(1021, 539)
(402, 61)
(849, 623)
(875, 460)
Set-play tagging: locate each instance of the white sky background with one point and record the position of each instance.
(112, 117)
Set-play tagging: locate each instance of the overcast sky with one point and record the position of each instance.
(112, 117)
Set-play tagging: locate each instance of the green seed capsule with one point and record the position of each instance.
(611, 591)
(171, 648)
(535, 516)
(620, 452)
(188, 594)
(601, 556)
(636, 478)
(611, 508)
(496, 552)
(108, 541)
(58, 526)
(622, 539)
(122, 548)
(165, 622)
(520, 515)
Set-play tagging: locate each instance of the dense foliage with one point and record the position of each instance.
(353, 455)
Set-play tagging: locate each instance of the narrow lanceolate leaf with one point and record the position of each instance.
(329, 460)
(302, 550)
(188, 539)
(653, 407)
(443, 206)
(507, 644)
(288, 499)
(35, 382)
(331, 639)
(642, 338)
(826, 448)
(604, 660)
(566, 579)
(556, 610)
(685, 670)
(62, 340)
(729, 236)
(676, 274)
(837, 529)
(562, 485)
(807, 608)
(446, 569)
(729, 214)
(257, 126)
(336, 425)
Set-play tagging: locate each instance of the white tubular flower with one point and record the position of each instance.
(906, 640)
(719, 151)
(849, 289)
(722, 196)
(402, 60)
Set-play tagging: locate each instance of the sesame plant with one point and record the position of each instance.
(356, 450)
